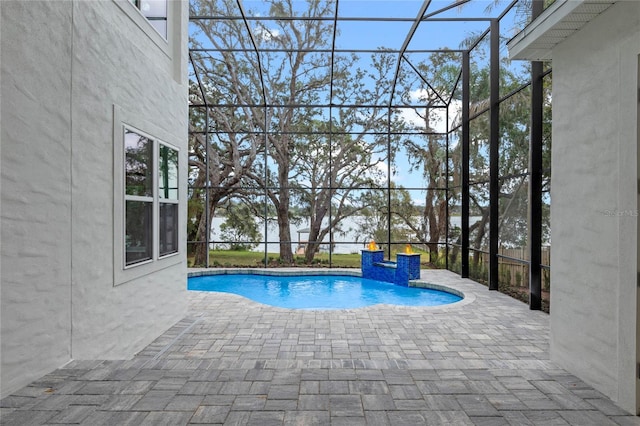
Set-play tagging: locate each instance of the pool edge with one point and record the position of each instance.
(420, 283)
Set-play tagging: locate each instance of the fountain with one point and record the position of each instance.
(373, 265)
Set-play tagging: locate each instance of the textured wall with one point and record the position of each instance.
(137, 77)
(36, 190)
(593, 213)
(66, 66)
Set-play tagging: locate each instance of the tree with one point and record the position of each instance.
(337, 162)
(428, 153)
(374, 220)
(267, 134)
(332, 173)
(514, 140)
(227, 162)
(293, 75)
(297, 75)
(237, 228)
(221, 154)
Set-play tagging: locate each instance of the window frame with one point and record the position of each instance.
(140, 198)
(165, 18)
(122, 272)
(165, 201)
(142, 22)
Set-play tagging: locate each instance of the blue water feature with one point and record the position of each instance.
(319, 291)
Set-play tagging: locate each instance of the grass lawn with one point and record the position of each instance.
(252, 259)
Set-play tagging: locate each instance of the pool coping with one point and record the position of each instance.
(467, 296)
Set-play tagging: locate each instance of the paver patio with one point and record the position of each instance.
(482, 361)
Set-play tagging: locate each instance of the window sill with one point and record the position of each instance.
(140, 270)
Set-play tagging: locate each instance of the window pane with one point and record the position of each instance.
(138, 164)
(160, 24)
(154, 8)
(138, 232)
(168, 229)
(168, 173)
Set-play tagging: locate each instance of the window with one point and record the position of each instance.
(156, 13)
(150, 197)
(168, 197)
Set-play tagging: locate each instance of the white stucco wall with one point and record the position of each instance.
(594, 211)
(69, 69)
(36, 190)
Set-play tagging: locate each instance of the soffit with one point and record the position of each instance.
(557, 23)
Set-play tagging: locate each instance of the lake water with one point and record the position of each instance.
(344, 242)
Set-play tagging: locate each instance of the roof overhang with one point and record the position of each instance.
(558, 22)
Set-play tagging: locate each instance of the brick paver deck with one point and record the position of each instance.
(483, 361)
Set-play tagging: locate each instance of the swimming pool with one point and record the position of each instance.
(319, 291)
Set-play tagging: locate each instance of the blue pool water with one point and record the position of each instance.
(319, 291)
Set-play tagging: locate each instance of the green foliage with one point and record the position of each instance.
(240, 228)
(373, 222)
(478, 272)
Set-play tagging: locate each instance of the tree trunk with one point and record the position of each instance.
(433, 228)
(482, 228)
(313, 245)
(434, 236)
(284, 226)
(204, 230)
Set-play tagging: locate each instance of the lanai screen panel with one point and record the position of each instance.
(338, 118)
